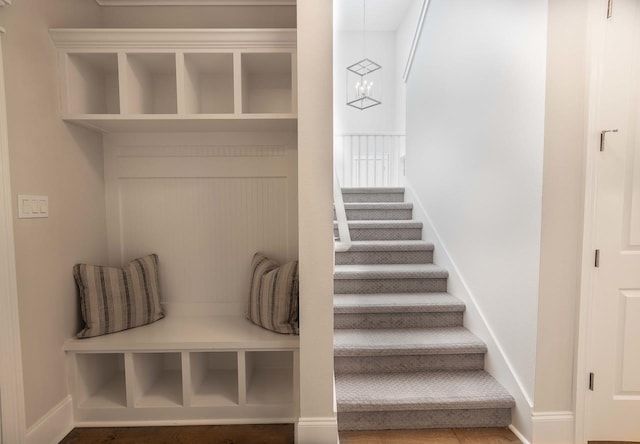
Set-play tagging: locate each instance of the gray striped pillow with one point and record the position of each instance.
(114, 299)
(273, 298)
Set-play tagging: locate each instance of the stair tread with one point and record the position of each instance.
(378, 206)
(429, 390)
(389, 271)
(397, 303)
(381, 224)
(391, 245)
(406, 341)
(370, 190)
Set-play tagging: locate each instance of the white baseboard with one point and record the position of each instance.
(519, 434)
(317, 430)
(552, 427)
(55, 425)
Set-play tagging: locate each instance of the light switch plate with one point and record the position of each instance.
(30, 206)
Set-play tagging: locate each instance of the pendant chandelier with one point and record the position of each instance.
(364, 79)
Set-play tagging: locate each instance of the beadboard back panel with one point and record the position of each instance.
(205, 203)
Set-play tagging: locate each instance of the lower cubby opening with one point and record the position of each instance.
(214, 379)
(101, 380)
(158, 379)
(269, 377)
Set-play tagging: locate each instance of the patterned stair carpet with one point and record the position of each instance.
(403, 359)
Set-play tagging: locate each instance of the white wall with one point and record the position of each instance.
(317, 423)
(562, 216)
(475, 122)
(64, 162)
(347, 51)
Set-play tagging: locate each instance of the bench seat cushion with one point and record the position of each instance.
(273, 298)
(115, 299)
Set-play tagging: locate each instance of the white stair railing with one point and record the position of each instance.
(370, 160)
(341, 216)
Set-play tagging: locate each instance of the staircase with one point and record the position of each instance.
(403, 360)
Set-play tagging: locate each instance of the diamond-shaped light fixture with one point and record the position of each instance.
(364, 78)
(363, 85)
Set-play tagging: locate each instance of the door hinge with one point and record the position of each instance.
(591, 378)
(610, 9)
(596, 262)
(603, 136)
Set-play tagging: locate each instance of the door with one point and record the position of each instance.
(613, 407)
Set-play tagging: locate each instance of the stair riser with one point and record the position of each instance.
(384, 257)
(372, 197)
(424, 419)
(377, 215)
(408, 363)
(362, 286)
(397, 320)
(362, 234)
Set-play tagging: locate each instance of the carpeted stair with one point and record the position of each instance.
(403, 360)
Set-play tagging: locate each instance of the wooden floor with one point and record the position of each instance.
(278, 434)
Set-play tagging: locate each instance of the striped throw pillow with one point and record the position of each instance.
(273, 298)
(114, 299)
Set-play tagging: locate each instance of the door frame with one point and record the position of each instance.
(12, 394)
(595, 47)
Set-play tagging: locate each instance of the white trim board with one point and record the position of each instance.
(11, 383)
(552, 427)
(496, 361)
(416, 39)
(53, 426)
(193, 2)
(317, 430)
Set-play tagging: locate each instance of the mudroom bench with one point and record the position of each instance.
(185, 370)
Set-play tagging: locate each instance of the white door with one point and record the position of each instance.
(613, 407)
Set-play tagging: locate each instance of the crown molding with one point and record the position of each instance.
(193, 2)
(113, 39)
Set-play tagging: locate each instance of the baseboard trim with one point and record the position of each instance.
(317, 430)
(54, 425)
(518, 434)
(552, 427)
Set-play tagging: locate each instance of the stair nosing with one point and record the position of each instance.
(444, 304)
(390, 271)
(390, 245)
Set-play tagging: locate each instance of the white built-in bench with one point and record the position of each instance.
(189, 370)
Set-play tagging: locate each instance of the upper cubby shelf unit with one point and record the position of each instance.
(116, 80)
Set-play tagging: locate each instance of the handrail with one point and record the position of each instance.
(414, 42)
(344, 244)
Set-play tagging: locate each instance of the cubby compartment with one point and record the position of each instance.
(208, 87)
(92, 83)
(100, 380)
(158, 379)
(269, 377)
(267, 83)
(151, 84)
(214, 379)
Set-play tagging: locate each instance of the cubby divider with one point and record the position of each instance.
(151, 84)
(157, 379)
(101, 380)
(92, 85)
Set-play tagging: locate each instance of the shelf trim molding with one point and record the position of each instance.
(193, 2)
(97, 40)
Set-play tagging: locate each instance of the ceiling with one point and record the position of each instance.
(382, 15)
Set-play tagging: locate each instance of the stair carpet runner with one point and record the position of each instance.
(403, 360)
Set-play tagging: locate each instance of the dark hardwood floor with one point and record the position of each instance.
(278, 434)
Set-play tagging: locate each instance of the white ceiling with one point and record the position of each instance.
(382, 15)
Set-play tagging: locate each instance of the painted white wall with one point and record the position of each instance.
(317, 423)
(475, 122)
(64, 162)
(380, 47)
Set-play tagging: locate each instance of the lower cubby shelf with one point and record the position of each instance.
(151, 374)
